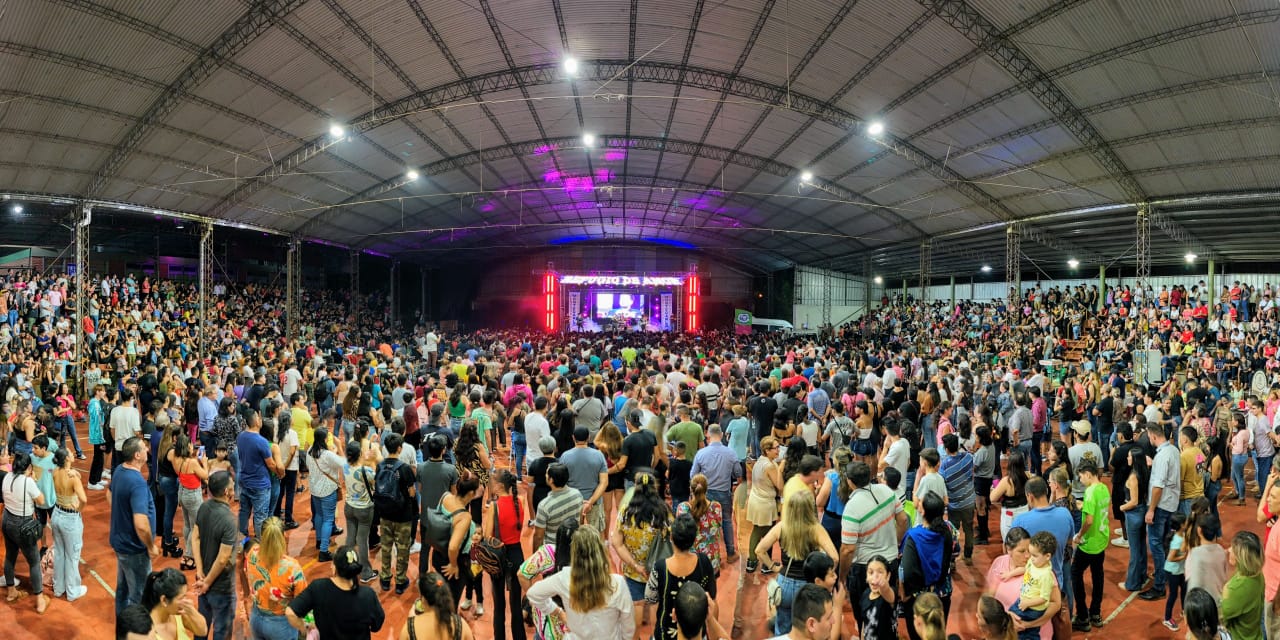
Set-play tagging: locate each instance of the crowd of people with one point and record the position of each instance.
(604, 481)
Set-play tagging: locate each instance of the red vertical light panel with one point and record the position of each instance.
(549, 299)
(692, 292)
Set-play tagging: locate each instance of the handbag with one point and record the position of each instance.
(489, 553)
(29, 529)
(659, 551)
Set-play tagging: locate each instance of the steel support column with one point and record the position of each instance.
(1212, 293)
(354, 256)
(1142, 251)
(394, 292)
(422, 300)
(826, 297)
(206, 279)
(953, 292)
(1013, 263)
(867, 279)
(81, 287)
(926, 257)
(293, 286)
(1102, 287)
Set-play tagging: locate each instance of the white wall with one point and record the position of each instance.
(985, 291)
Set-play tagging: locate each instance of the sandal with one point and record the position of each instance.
(187, 564)
(16, 594)
(42, 604)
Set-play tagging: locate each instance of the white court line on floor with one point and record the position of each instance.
(1120, 608)
(99, 579)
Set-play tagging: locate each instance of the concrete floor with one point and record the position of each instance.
(92, 616)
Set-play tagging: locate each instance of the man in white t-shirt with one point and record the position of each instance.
(432, 344)
(126, 423)
(535, 427)
(290, 380)
(897, 455)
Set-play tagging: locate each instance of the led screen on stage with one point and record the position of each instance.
(620, 305)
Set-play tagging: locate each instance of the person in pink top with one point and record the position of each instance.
(1004, 579)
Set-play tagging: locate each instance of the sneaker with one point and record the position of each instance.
(1096, 620)
(764, 571)
(1120, 542)
(1171, 625)
(466, 604)
(81, 456)
(98, 487)
(1080, 624)
(401, 587)
(1152, 594)
(385, 584)
(479, 610)
(1118, 531)
(337, 531)
(291, 525)
(369, 577)
(77, 593)
(751, 566)
(417, 546)
(324, 556)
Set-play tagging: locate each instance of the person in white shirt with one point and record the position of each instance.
(897, 454)
(291, 380)
(601, 611)
(535, 427)
(126, 423)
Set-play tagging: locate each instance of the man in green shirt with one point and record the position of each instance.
(686, 431)
(1091, 546)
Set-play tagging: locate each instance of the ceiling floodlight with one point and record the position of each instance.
(411, 175)
(17, 208)
(875, 128)
(588, 140)
(1073, 263)
(807, 176)
(879, 280)
(986, 268)
(1191, 257)
(571, 66)
(336, 130)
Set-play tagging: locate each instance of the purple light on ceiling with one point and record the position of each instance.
(579, 185)
(699, 203)
(543, 149)
(552, 176)
(486, 207)
(614, 155)
(603, 175)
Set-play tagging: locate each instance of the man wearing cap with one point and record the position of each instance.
(1085, 449)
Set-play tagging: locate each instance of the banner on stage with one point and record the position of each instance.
(623, 281)
(742, 321)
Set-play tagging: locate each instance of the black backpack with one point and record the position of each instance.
(387, 495)
(322, 391)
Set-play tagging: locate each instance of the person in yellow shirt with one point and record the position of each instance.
(302, 421)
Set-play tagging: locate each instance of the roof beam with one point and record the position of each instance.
(256, 21)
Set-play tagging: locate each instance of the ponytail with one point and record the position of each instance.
(698, 503)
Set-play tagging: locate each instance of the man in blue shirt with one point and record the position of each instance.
(1042, 516)
(720, 465)
(208, 410)
(256, 463)
(133, 515)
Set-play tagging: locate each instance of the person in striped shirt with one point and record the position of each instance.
(957, 471)
(872, 525)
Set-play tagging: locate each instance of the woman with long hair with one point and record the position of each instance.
(359, 476)
(547, 560)
(21, 498)
(597, 604)
(504, 520)
(993, 620)
(563, 425)
(174, 615)
(609, 442)
(272, 579)
(1201, 613)
(1010, 493)
(326, 487)
(1135, 510)
(68, 527)
(709, 518)
(830, 497)
(434, 614)
(457, 405)
(191, 413)
(1243, 600)
(361, 612)
(470, 454)
(1217, 467)
(796, 451)
(667, 578)
(928, 618)
(646, 518)
(193, 471)
(762, 499)
(455, 564)
(169, 487)
(799, 533)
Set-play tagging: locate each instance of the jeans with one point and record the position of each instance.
(169, 487)
(359, 521)
(30, 552)
(266, 626)
(928, 433)
(1155, 540)
(1135, 525)
(963, 520)
(69, 429)
(190, 499)
(322, 511)
(725, 498)
(131, 573)
(100, 453)
(68, 540)
(1237, 473)
(506, 584)
(1092, 562)
(1261, 469)
(273, 501)
(789, 587)
(219, 611)
(1104, 443)
(288, 489)
(253, 501)
(1212, 489)
(1027, 616)
(519, 447)
(1177, 593)
(1036, 462)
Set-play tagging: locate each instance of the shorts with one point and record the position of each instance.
(864, 447)
(636, 588)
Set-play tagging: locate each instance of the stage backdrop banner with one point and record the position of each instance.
(741, 321)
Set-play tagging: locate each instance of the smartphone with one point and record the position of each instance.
(200, 451)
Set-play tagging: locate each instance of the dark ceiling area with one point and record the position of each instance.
(836, 134)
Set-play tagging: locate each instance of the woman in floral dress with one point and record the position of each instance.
(709, 517)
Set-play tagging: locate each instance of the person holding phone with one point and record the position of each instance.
(192, 472)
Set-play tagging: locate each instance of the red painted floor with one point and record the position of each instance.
(92, 616)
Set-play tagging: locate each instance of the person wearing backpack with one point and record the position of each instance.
(450, 531)
(394, 502)
(504, 520)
